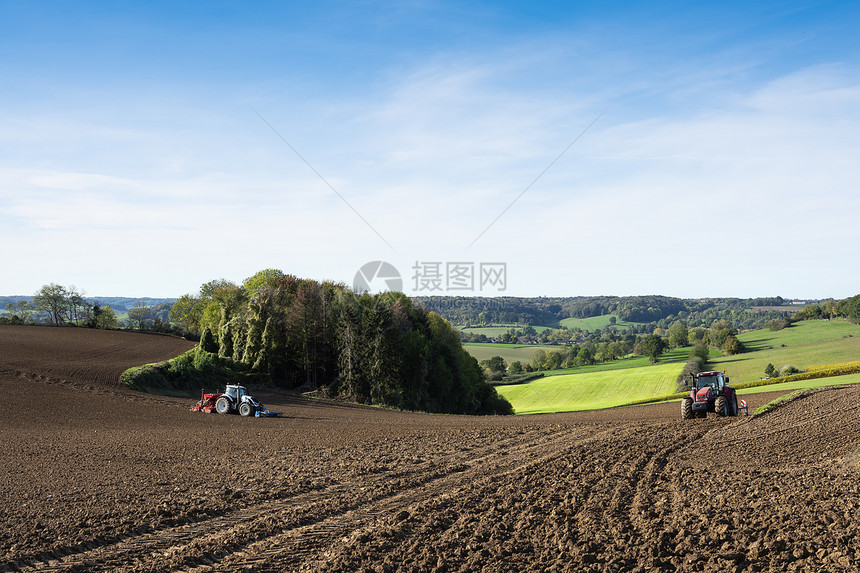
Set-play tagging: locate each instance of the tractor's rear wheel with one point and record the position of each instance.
(734, 405)
(720, 406)
(245, 409)
(686, 409)
(222, 405)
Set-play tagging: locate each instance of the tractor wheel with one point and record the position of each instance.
(735, 405)
(245, 409)
(686, 409)
(222, 406)
(720, 406)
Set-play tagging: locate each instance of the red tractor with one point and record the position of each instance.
(710, 392)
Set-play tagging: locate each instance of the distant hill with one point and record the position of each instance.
(120, 304)
(647, 311)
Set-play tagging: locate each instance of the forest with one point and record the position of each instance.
(379, 349)
(652, 311)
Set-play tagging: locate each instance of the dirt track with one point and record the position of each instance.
(97, 477)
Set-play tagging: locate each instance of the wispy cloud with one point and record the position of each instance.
(709, 153)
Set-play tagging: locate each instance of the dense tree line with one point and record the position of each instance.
(380, 349)
(650, 312)
(612, 344)
(461, 310)
(847, 308)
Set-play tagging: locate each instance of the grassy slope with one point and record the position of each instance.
(594, 322)
(800, 384)
(524, 353)
(510, 352)
(498, 330)
(808, 343)
(593, 390)
(675, 355)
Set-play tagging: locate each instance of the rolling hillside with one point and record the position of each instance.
(804, 344)
(593, 390)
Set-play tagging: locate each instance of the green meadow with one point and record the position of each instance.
(592, 390)
(803, 384)
(804, 344)
(595, 323)
(499, 329)
(510, 352)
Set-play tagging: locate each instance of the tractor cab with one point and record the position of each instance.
(235, 392)
(714, 380)
(709, 392)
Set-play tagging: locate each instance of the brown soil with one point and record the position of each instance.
(96, 477)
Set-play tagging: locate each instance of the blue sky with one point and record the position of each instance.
(142, 145)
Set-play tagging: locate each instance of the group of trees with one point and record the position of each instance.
(847, 308)
(381, 348)
(58, 305)
(612, 345)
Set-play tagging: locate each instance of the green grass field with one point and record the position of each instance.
(674, 355)
(524, 352)
(592, 390)
(499, 329)
(800, 384)
(807, 343)
(595, 322)
(510, 352)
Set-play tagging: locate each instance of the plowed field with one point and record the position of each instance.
(94, 477)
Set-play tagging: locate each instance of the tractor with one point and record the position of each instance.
(234, 400)
(710, 392)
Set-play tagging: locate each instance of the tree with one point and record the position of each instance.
(140, 314)
(495, 367)
(515, 367)
(538, 361)
(700, 350)
(678, 335)
(24, 309)
(187, 312)
(653, 347)
(267, 278)
(51, 299)
(585, 356)
(103, 317)
(78, 308)
(732, 345)
(720, 330)
(207, 341)
(770, 370)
